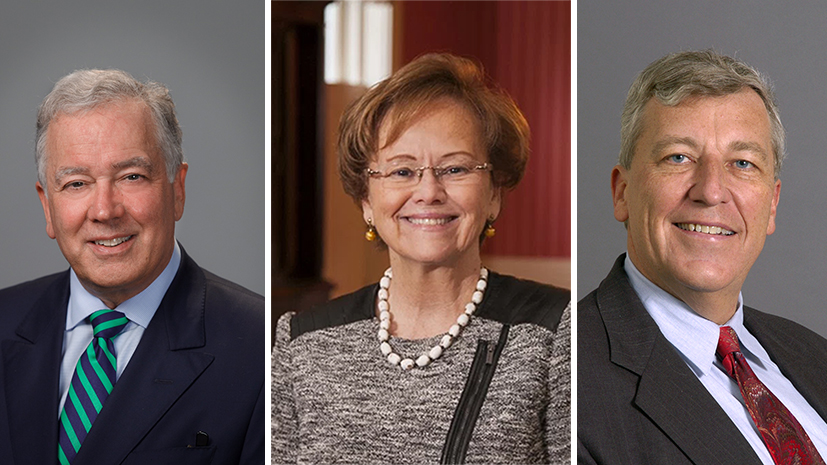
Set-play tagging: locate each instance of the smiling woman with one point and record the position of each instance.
(405, 370)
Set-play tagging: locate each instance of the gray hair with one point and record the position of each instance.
(84, 90)
(675, 77)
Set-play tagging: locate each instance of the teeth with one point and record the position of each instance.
(429, 221)
(713, 230)
(113, 242)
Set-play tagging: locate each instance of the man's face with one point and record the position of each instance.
(108, 201)
(701, 195)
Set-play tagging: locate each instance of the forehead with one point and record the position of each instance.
(740, 117)
(106, 130)
(446, 120)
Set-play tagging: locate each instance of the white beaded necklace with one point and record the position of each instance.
(436, 351)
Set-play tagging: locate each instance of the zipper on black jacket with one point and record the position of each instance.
(472, 398)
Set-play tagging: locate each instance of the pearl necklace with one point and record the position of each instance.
(426, 358)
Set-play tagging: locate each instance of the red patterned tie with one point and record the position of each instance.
(785, 438)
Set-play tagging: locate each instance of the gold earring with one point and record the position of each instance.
(489, 228)
(370, 234)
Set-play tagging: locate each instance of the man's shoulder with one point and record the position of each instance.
(232, 304)
(227, 289)
(18, 301)
(765, 325)
(219, 292)
(22, 296)
(34, 284)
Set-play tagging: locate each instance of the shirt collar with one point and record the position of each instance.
(139, 309)
(695, 337)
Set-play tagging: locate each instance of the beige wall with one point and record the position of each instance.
(554, 271)
(350, 261)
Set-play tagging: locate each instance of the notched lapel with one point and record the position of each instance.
(668, 393)
(31, 371)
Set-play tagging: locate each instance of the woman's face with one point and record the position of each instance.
(428, 219)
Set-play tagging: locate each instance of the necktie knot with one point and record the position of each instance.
(107, 323)
(728, 349)
(727, 342)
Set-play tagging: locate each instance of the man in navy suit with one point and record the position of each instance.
(189, 384)
(697, 186)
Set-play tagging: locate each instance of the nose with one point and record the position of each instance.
(429, 189)
(107, 202)
(710, 183)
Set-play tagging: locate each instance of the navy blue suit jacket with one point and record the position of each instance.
(198, 367)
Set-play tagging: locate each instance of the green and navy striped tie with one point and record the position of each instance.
(91, 384)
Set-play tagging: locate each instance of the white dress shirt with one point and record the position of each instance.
(139, 310)
(696, 339)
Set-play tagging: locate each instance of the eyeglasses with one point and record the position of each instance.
(405, 176)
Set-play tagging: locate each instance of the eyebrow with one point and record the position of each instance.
(744, 146)
(662, 144)
(134, 162)
(69, 171)
(734, 146)
(406, 156)
(139, 162)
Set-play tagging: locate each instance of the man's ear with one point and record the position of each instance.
(44, 201)
(774, 206)
(179, 190)
(619, 183)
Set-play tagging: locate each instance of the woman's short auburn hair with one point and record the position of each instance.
(410, 92)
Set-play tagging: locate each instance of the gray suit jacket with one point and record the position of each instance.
(639, 403)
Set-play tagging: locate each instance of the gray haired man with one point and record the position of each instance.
(672, 367)
(135, 354)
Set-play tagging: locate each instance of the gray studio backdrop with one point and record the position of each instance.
(788, 42)
(211, 56)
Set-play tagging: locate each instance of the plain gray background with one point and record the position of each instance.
(210, 54)
(787, 42)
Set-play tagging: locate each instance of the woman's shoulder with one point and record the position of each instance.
(346, 309)
(513, 301)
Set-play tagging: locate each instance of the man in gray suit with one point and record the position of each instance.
(697, 186)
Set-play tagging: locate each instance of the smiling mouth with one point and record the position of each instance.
(430, 221)
(711, 230)
(113, 242)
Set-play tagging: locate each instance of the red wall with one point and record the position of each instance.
(525, 47)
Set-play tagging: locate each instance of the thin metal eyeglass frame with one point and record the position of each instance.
(438, 171)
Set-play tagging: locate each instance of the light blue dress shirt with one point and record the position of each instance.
(696, 339)
(139, 309)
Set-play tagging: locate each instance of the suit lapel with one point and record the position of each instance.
(668, 392)
(166, 362)
(32, 372)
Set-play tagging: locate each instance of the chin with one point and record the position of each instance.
(438, 256)
(105, 282)
(707, 283)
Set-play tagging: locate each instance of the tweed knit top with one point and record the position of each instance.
(336, 399)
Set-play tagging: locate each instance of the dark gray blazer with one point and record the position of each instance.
(639, 403)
